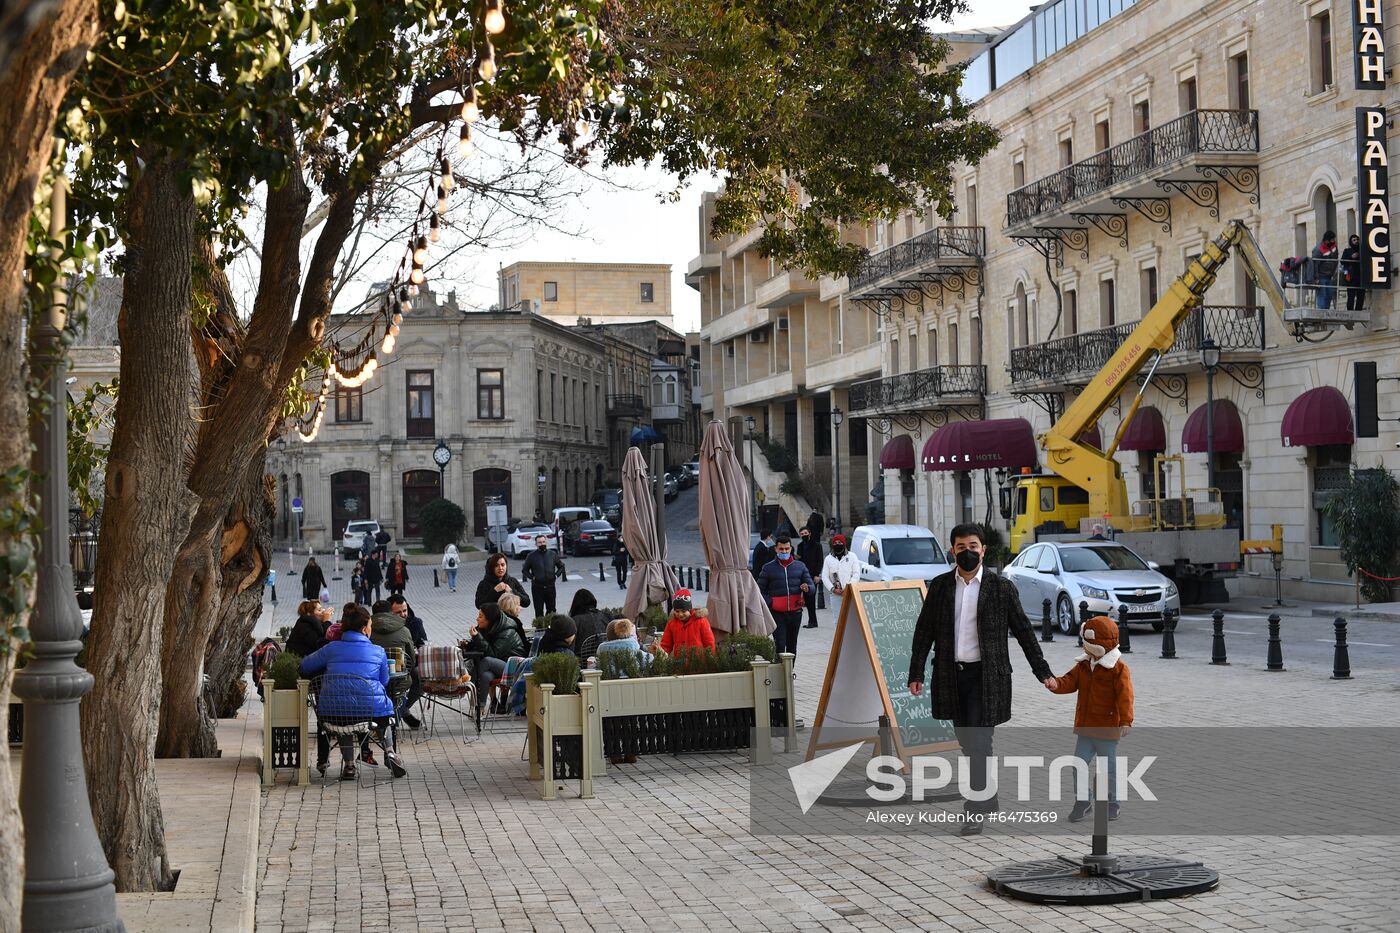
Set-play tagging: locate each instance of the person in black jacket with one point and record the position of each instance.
(373, 580)
(762, 554)
(497, 581)
(381, 545)
(965, 620)
(1351, 274)
(540, 569)
(308, 634)
(312, 579)
(809, 551)
(621, 560)
(590, 624)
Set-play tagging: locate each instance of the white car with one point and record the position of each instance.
(1104, 574)
(898, 552)
(354, 536)
(522, 540)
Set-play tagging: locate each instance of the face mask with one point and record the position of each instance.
(784, 558)
(968, 560)
(839, 551)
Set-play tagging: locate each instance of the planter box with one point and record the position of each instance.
(557, 729)
(285, 744)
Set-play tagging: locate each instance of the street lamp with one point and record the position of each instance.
(837, 416)
(1210, 359)
(68, 884)
(540, 480)
(749, 424)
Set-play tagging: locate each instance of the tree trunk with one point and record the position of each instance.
(226, 660)
(145, 515)
(39, 49)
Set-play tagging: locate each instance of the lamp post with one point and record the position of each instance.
(1210, 359)
(837, 416)
(753, 484)
(540, 480)
(68, 884)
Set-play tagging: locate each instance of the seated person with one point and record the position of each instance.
(510, 605)
(494, 637)
(360, 697)
(687, 627)
(308, 635)
(559, 638)
(622, 636)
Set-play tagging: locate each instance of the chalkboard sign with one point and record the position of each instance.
(868, 673)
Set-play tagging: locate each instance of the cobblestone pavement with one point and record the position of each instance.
(465, 843)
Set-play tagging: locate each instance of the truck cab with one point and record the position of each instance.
(1044, 502)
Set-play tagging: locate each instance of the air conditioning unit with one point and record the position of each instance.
(758, 336)
(782, 324)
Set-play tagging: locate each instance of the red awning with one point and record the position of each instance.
(1092, 438)
(1318, 416)
(981, 445)
(1229, 432)
(898, 453)
(1145, 432)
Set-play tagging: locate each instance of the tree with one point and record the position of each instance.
(41, 43)
(1366, 514)
(814, 112)
(443, 522)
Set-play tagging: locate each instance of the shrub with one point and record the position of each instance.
(559, 668)
(747, 645)
(442, 522)
(807, 485)
(283, 672)
(1366, 514)
(780, 458)
(615, 665)
(653, 617)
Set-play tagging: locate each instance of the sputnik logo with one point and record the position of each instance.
(811, 778)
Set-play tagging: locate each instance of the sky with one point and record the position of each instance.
(635, 226)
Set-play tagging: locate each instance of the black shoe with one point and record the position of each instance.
(321, 767)
(1113, 811)
(412, 722)
(810, 625)
(1079, 811)
(972, 826)
(396, 767)
(347, 771)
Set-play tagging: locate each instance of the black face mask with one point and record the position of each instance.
(968, 560)
(838, 550)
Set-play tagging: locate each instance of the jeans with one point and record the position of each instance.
(452, 578)
(1085, 749)
(372, 588)
(542, 595)
(785, 634)
(975, 738)
(1325, 291)
(488, 671)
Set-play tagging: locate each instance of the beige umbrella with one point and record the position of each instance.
(652, 581)
(734, 602)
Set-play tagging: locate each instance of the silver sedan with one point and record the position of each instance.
(1104, 574)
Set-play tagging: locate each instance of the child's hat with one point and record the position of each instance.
(682, 601)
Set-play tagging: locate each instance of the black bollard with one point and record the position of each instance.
(1217, 643)
(706, 587)
(435, 578)
(1125, 644)
(601, 577)
(1341, 660)
(1083, 617)
(1169, 617)
(1047, 632)
(1275, 659)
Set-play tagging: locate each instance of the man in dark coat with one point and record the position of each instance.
(809, 551)
(762, 554)
(541, 568)
(312, 579)
(381, 545)
(965, 619)
(373, 578)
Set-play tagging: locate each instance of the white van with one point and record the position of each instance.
(898, 552)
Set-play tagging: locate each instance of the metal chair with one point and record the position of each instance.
(343, 706)
(446, 685)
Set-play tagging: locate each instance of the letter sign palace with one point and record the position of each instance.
(1368, 32)
(1373, 182)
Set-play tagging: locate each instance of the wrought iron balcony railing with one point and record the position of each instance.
(1196, 133)
(942, 244)
(923, 387)
(1233, 327)
(623, 405)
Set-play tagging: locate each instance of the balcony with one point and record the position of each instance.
(1187, 156)
(698, 267)
(922, 265)
(660, 413)
(626, 406)
(1237, 329)
(924, 390)
(788, 287)
(777, 387)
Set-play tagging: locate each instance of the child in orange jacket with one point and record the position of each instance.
(1103, 712)
(687, 627)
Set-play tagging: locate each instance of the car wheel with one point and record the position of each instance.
(1064, 614)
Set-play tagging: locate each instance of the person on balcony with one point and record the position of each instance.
(1351, 274)
(1324, 256)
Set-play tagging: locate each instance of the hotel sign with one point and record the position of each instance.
(1373, 183)
(1368, 36)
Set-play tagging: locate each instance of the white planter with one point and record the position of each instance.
(285, 744)
(549, 716)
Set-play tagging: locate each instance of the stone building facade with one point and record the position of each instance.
(600, 292)
(519, 400)
(1130, 134)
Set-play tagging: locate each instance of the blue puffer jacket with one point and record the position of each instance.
(362, 696)
(777, 580)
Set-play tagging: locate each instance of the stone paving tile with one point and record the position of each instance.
(464, 843)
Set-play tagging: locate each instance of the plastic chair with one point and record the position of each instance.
(344, 704)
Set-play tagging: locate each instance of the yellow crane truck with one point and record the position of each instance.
(1084, 486)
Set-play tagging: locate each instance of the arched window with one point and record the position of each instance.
(489, 487)
(1022, 324)
(1324, 212)
(419, 488)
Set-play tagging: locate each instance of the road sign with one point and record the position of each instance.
(496, 516)
(296, 504)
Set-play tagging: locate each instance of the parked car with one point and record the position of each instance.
(1104, 574)
(521, 541)
(509, 529)
(593, 536)
(607, 504)
(669, 488)
(354, 536)
(898, 552)
(568, 515)
(693, 468)
(683, 478)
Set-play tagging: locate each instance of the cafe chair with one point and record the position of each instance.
(344, 717)
(446, 685)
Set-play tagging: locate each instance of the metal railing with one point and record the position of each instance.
(1200, 131)
(943, 244)
(908, 390)
(626, 405)
(1233, 327)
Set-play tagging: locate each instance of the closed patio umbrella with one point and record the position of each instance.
(652, 581)
(734, 602)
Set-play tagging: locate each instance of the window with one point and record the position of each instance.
(490, 394)
(1330, 467)
(553, 395)
(1149, 289)
(933, 346)
(551, 291)
(1108, 310)
(914, 351)
(1239, 81)
(349, 404)
(977, 341)
(1071, 311)
(1186, 95)
(1324, 211)
(1047, 562)
(1066, 152)
(1320, 44)
(1018, 172)
(647, 293)
(894, 357)
(1102, 139)
(858, 440)
(953, 344)
(1142, 117)
(420, 403)
(1019, 326)
(539, 393)
(972, 205)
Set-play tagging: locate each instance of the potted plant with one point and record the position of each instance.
(560, 721)
(284, 719)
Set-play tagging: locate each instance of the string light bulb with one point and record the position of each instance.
(396, 319)
(416, 276)
(404, 305)
(486, 67)
(441, 200)
(471, 109)
(412, 290)
(447, 180)
(387, 345)
(495, 20)
(465, 146)
(394, 329)
(420, 250)
(434, 229)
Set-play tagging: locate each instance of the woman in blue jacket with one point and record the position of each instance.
(355, 675)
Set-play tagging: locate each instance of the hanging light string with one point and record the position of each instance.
(354, 366)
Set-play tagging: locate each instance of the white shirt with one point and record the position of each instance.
(844, 570)
(966, 647)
